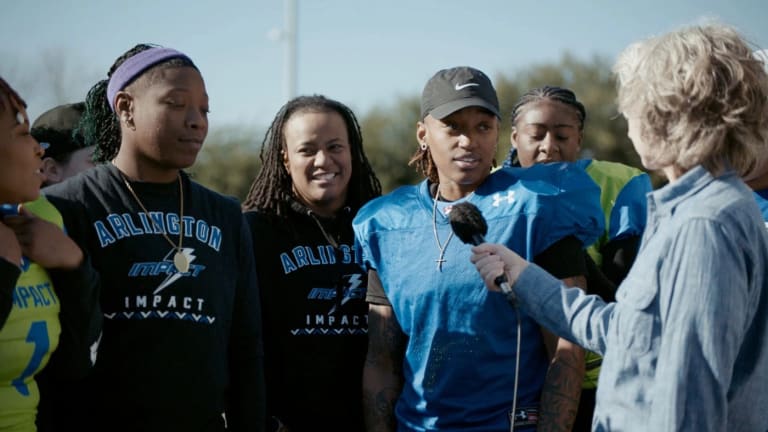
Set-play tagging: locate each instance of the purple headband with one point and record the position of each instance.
(134, 66)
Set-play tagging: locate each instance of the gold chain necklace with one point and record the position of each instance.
(180, 261)
(440, 260)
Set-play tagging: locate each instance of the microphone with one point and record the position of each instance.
(470, 227)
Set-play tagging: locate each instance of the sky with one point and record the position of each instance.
(362, 53)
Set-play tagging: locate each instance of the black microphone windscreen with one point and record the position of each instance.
(467, 222)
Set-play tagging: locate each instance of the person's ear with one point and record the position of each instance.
(124, 103)
(513, 137)
(51, 170)
(286, 161)
(421, 135)
(578, 143)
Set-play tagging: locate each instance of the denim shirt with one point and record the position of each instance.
(685, 344)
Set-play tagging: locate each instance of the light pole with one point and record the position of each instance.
(290, 49)
(287, 35)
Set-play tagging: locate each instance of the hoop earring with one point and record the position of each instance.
(423, 146)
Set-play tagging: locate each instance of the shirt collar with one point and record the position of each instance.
(665, 200)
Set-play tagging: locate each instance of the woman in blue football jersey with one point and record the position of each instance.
(442, 353)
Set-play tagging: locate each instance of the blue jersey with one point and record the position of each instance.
(761, 196)
(460, 357)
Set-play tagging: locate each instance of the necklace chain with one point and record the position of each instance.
(442, 247)
(178, 248)
(327, 236)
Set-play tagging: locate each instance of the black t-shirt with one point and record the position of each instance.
(178, 349)
(9, 274)
(315, 318)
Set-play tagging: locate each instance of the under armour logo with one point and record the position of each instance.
(497, 198)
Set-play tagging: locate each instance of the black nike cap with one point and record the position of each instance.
(450, 90)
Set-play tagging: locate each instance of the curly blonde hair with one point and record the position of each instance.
(700, 96)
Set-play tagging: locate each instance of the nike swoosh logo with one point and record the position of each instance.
(463, 86)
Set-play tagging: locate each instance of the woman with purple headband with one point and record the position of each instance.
(181, 343)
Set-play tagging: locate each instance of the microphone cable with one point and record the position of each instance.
(470, 227)
(510, 299)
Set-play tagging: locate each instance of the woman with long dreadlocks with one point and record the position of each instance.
(181, 342)
(314, 178)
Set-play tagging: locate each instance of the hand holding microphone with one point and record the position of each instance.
(493, 261)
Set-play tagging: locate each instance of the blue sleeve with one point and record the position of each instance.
(568, 312)
(629, 212)
(365, 256)
(761, 196)
(363, 252)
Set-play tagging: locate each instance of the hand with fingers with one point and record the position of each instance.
(492, 260)
(43, 242)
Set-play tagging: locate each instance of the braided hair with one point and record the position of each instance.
(423, 162)
(8, 94)
(272, 190)
(557, 94)
(99, 125)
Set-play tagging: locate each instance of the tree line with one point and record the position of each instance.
(230, 158)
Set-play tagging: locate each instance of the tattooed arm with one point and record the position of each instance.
(562, 387)
(383, 370)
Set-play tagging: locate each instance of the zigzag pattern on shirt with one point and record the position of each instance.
(183, 316)
(331, 332)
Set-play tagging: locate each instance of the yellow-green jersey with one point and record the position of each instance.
(622, 195)
(623, 192)
(28, 337)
